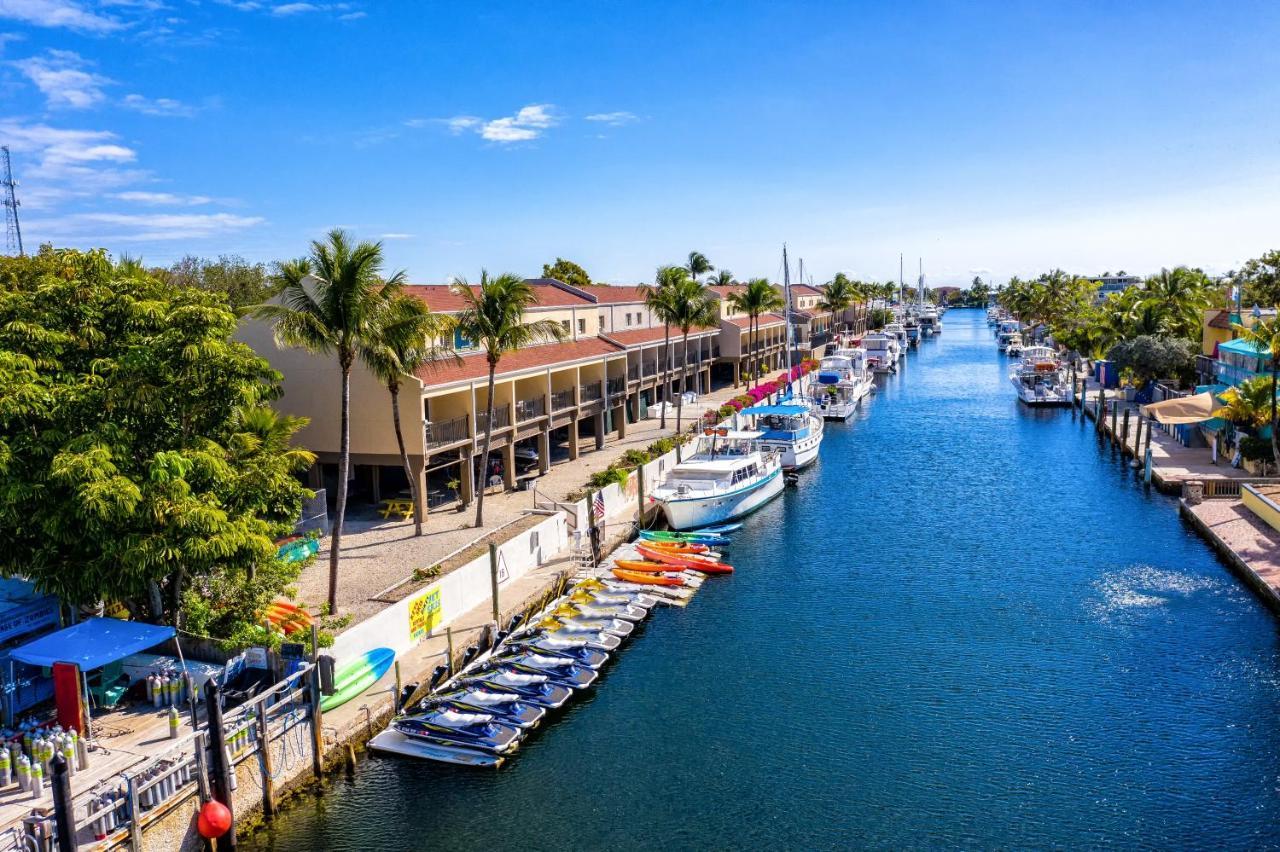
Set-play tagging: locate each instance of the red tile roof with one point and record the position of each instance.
(476, 367)
(642, 336)
(1221, 320)
(440, 297)
(723, 292)
(805, 289)
(617, 294)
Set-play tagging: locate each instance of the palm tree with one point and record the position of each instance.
(494, 320)
(1177, 298)
(698, 265)
(722, 278)
(659, 302)
(693, 307)
(756, 298)
(404, 341)
(329, 305)
(1265, 336)
(837, 295)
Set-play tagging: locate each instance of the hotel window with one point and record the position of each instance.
(628, 318)
(565, 325)
(582, 326)
(600, 321)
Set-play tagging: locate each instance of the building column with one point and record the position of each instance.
(737, 372)
(633, 401)
(509, 464)
(544, 450)
(620, 420)
(466, 476)
(597, 423)
(706, 380)
(573, 439)
(375, 483)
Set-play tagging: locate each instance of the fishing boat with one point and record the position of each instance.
(1041, 378)
(790, 429)
(726, 476)
(841, 381)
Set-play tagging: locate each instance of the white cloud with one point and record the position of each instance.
(58, 13)
(5, 38)
(396, 236)
(352, 16)
(62, 77)
(126, 227)
(294, 9)
(528, 123)
(157, 106)
(614, 119)
(163, 198)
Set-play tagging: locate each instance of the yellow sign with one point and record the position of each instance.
(424, 615)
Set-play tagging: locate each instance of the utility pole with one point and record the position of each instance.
(12, 230)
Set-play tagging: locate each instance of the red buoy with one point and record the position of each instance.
(214, 820)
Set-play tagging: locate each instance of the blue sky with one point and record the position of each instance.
(991, 139)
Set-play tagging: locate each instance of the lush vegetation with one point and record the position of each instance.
(566, 271)
(140, 462)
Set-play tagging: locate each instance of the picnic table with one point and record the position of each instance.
(402, 506)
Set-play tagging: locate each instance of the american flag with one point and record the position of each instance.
(597, 506)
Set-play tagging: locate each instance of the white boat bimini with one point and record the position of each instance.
(726, 476)
(790, 429)
(841, 381)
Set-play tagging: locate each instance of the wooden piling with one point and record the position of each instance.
(221, 767)
(317, 715)
(1115, 412)
(448, 637)
(264, 751)
(493, 580)
(1124, 434)
(395, 702)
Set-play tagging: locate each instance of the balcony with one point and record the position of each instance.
(633, 373)
(563, 400)
(590, 392)
(501, 419)
(528, 409)
(617, 387)
(445, 432)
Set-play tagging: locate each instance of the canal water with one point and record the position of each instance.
(968, 626)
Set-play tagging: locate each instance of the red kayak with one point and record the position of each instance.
(682, 560)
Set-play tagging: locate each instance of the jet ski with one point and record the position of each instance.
(584, 609)
(506, 706)
(558, 643)
(560, 669)
(573, 624)
(534, 688)
(602, 597)
(592, 658)
(480, 731)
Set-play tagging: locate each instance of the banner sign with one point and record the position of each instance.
(424, 615)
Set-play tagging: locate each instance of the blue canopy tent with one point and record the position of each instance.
(92, 644)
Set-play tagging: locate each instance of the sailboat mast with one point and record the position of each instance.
(902, 295)
(786, 296)
(920, 283)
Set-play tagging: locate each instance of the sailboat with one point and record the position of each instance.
(788, 427)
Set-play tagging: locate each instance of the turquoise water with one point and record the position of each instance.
(968, 626)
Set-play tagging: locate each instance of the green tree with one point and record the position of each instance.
(1266, 337)
(692, 307)
(243, 283)
(1150, 357)
(722, 278)
(330, 305)
(660, 302)
(494, 318)
(757, 298)
(698, 265)
(138, 459)
(403, 340)
(566, 271)
(1261, 280)
(1177, 298)
(837, 296)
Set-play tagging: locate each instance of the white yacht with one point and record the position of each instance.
(790, 429)
(1040, 377)
(727, 475)
(882, 351)
(840, 382)
(899, 332)
(930, 324)
(1007, 332)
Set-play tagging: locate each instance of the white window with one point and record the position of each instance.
(628, 318)
(582, 326)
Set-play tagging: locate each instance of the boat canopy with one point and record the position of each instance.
(739, 435)
(784, 410)
(1185, 409)
(92, 644)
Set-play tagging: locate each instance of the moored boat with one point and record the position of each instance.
(727, 475)
(790, 429)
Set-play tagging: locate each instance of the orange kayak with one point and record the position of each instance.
(647, 579)
(677, 546)
(697, 563)
(647, 567)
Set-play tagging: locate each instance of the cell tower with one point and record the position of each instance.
(9, 187)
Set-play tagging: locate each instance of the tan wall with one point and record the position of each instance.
(313, 388)
(615, 317)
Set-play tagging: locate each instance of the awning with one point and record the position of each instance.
(784, 410)
(1186, 409)
(92, 644)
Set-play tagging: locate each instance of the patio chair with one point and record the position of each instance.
(111, 686)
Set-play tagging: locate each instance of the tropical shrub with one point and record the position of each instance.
(1151, 357)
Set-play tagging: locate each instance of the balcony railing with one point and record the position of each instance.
(590, 392)
(501, 419)
(527, 409)
(445, 432)
(617, 386)
(633, 373)
(562, 400)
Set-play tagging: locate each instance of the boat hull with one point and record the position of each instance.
(688, 513)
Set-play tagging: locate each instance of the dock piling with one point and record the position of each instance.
(493, 580)
(221, 768)
(1124, 434)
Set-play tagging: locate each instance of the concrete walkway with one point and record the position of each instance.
(1248, 543)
